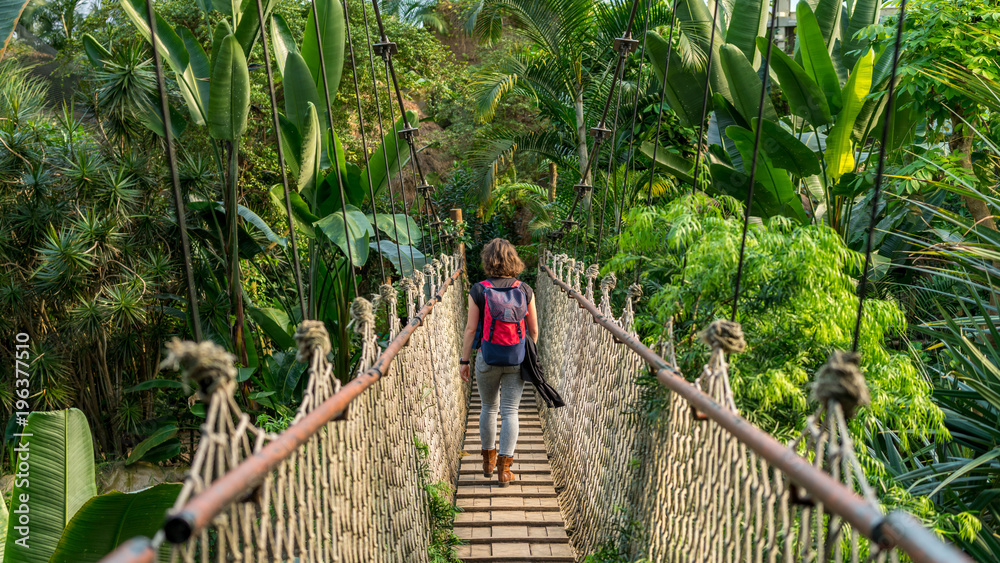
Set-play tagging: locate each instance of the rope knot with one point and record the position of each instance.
(724, 335)
(840, 380)
(362, 313)
(609, 282)
(634, 291)
(205, 364)
(428, 270)
(310, 336)
(593, 271)
(418, 279)
(386, 293)
(408, 285)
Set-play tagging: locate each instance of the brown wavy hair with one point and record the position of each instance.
(500, 259)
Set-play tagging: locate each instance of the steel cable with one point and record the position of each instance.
(753, 160)
(704, 99)
(168, 138)
(281, 162)
(879, 175)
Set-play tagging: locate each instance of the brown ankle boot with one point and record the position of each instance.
(489, 462)
(504, 475)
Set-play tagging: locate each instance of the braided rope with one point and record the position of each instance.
(353, 492)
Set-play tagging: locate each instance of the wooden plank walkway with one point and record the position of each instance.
(520, 522)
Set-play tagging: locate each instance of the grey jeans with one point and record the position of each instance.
(500, 388)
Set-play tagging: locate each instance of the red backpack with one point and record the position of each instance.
(503, 324)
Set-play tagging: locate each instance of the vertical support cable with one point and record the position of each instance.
(704, 99)
(168, 138)
(333, 145)
(630, 165)
(364, 140)
(663, 97)
(281, 161)
(879, 175)
(753, 160)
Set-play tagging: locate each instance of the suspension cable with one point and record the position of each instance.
(385, 157)
(281, 162)
(333, 144)
(624, 45)
(879, 175)
(364, 140)
(704, 99)
(168, 138)
(611, 157)
(753, 160)
(663, 97)
(630, 164)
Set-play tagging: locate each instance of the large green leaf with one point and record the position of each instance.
(672, 162)
(106, 521)
(400, 227)
(299, 91)
(291, 143)
(748, 21)
(282, 42)
(684, 89)
(302, 217)
(3, 526)
(310, 158)
(787, 151)
(746, 97)
(161, 435)
(173, 50)
(839, 148)
(775, 181)
(351, 239)
(399, 256)
(248, 30)
(393, 154)
(61, 481)
(222, 30)
(332, 37)
(863, 14)
(167, 41)
(199, 71)
(96, 52)
(805, 97)
(814, 57)
(827, 14)
(229, 99)
(152, 117)
(10, 13)
(275, 324)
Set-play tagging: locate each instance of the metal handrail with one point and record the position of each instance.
(251, 472)
(897, 529)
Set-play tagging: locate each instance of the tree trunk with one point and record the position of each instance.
(553, 181)
(235, 288)
(961, 145)
(581, 139)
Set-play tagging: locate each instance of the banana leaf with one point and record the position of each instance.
(352, 238)
(299, 91)
(229, 98)
(786, 151)
(675, 164)
(805, 97)
(391, 155)
(282, 42)
(160, 436)
(745, 97)
(400, 227)
(684, 89)
(399, 256)
(814, 57)
(332, 37)
(748, 21)
(839, 148)
(778, 195)
(10, 13)
(106, 521)
(62, 480)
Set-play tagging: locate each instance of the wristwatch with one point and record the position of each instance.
(463, 362)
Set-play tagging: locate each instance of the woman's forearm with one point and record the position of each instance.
(467, 344)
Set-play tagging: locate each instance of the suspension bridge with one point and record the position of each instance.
(345, 482)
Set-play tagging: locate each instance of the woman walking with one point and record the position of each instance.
(501, 316)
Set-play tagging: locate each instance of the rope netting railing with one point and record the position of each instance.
(345, 481)
(700, 483)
